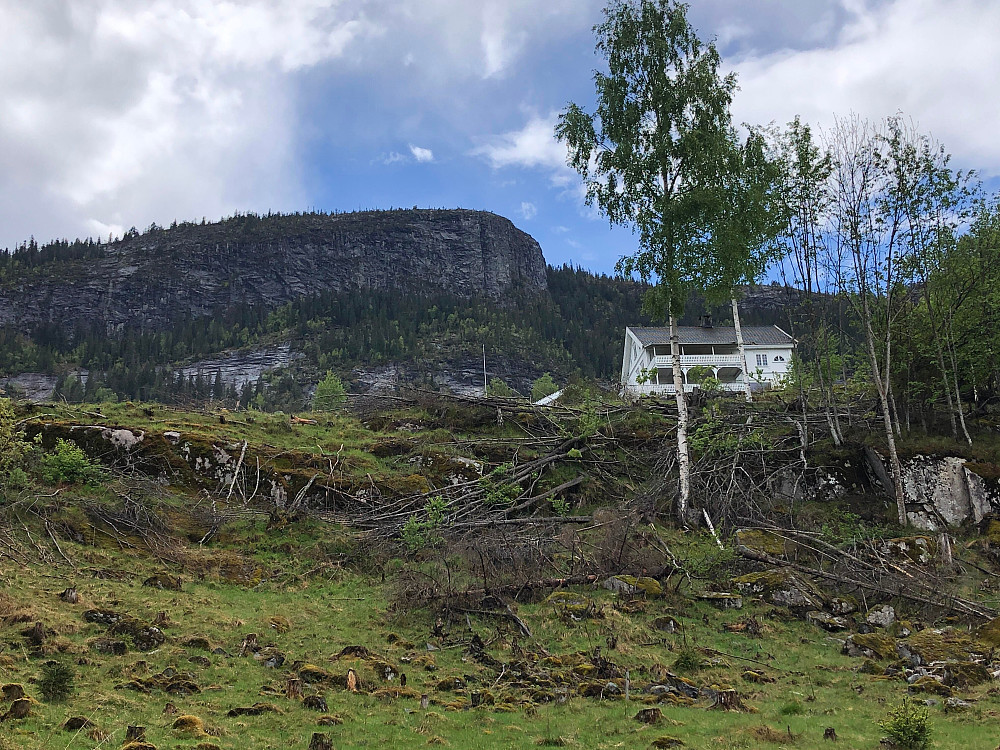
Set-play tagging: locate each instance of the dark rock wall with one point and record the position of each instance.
(191, 270)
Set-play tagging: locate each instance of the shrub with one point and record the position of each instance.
(500, 389)
(56, 682)
(792, 708)
(68, 463)
(330, 393)
(544, 386)
(688, 660)
(417, 534)
(12, 444)
(908, 727)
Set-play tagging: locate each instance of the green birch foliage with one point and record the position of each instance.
(330, 393)
(655, 153)
(542, 387)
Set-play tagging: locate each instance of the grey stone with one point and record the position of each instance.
(881, 616)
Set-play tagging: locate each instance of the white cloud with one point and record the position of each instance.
(182, 108)
(533, 146)
(154, 111)
(934, 60)
(393, 157)
(528, 210)
(422, 155)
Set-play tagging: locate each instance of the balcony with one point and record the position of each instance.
(661, 362)
(652, 389)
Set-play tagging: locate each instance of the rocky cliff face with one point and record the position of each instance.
(163, 275)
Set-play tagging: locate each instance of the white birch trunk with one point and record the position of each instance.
(683, 458)
(743, 352)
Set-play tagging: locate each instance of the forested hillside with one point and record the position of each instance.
(574, 329)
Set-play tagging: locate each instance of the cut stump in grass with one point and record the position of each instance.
(19, 709)
(320, 741)
(135, 734)
(728, 700)
(649, 716)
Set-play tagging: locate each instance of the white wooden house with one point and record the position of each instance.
(647, 367)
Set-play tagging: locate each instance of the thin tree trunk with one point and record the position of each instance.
(827, 395)
(743, 351)
(895, 411)
(940, 356)
(958, 393)
(897, 468)
(683, 458)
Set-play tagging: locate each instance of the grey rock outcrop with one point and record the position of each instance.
(941, 492)
(150, 280)
(238, 368)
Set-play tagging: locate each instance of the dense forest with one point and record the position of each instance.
(576, 329)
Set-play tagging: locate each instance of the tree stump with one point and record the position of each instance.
(19, 709)
(12, 692)
(293, 689)
(249, 645)
(316, 703)
(352, 680)
(135, 734)
(728, 700)
(70, 596)
(320, 741)
(36, 634)
(425, 701)
(649, 716)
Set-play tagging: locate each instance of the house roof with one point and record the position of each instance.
(752, 335)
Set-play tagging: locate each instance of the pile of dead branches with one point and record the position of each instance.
(875, 569)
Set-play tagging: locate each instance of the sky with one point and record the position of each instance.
(116, 113)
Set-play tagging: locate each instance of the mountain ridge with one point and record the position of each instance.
(152, 279)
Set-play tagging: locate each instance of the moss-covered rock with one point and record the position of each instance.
(965, 674)
(189, 725)
(572, 603)
(633, 585)
(667, 624)
(783, 587)
(761, 541)
(666, 741)
(937, 645)
(722, 600)
(870, 645)
(917, 549)
(313, 674)
(928, 684)
(989, 633)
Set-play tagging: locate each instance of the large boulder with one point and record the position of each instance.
(783, 587)
(940, 492)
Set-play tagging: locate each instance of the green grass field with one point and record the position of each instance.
(325, 602)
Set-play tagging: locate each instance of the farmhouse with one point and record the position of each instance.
(706, 350)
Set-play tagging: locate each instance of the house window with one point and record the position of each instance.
(761, 360)
(779, 358)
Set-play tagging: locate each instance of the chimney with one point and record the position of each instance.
(706, 321)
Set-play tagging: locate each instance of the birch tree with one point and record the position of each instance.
(653, 156)
(806, 171)
(752, 217)
(869, 257)
(937, 203)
